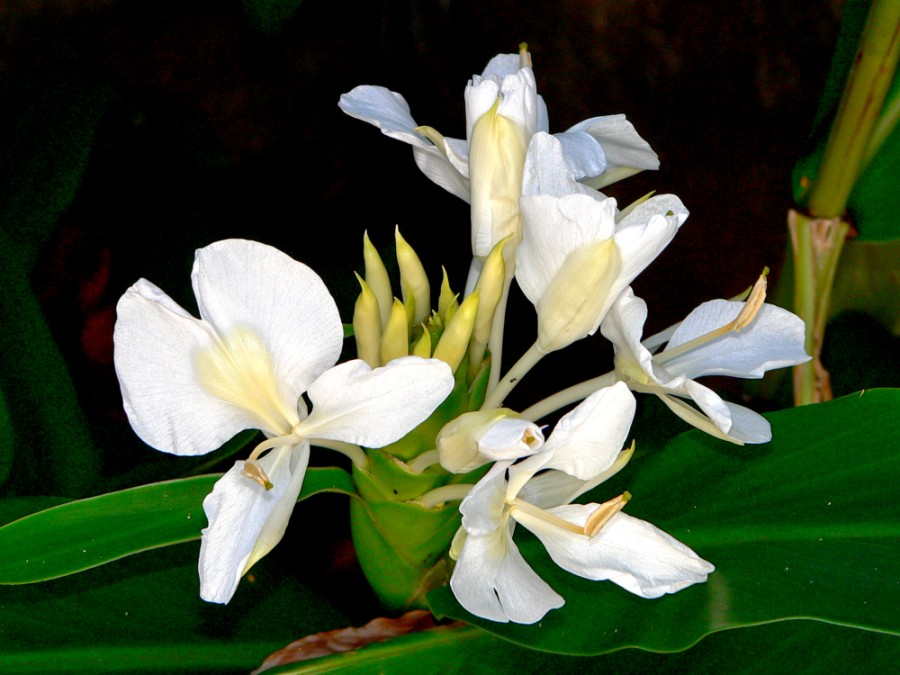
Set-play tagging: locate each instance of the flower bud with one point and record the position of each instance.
(490, 286)
(395, 341)
(447, 302)
(367, 325)
(423, 345)
(378, 279)
(572, 305)
(413, 281)
(454, 342)
(476, 438)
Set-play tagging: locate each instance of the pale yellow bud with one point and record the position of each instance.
(496, 162)
(447, 302)
(490, 285)
(572, 306)
(454, 343)
(413, 281)
(476, 438)
(423, 345)
(367, 325)
(395, 341)
(378, 279)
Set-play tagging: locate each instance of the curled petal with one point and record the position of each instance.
(492, 580)
(246, 521)
(482, 508)
(623, 147)
(384, 109)
(353, 403)
(630, 552)
(166, 403)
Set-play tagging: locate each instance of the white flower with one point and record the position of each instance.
(719, 337)
(269, 331)
(503, 111)
(595, 541)
(476, 438)
(578, 252)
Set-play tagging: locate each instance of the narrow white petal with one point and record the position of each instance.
(385, 109)
(748, 426)
(353, 403)
(694, 417)
(166, 403)
(493, 581)
(438, 167)
(773, 340)
(711, 404)
(623, 326)
(630, 552)
(246, 521)
(244, 285)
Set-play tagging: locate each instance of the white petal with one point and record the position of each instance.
(748, 426)
(438, 167)
(584, 155)
(482, 508)
(773, 340)
(246, 521)
(553, 228)
(621, 144)
(629, 552)
(643, 234)
(243, 285)
(586, 441)
(166, 403)
(386, 109)
(711, 404)
(623, 326)
(493, 581)
(548, 171)
(353, 403)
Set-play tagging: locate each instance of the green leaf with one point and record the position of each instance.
(808, 647)
(144, 615)
(806, 526)
(83, 534)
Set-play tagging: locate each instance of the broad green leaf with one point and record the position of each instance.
(806, 526)
(83, 534)
(808, 647)
(144, 614)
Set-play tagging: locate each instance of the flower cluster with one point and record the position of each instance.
(429, 385)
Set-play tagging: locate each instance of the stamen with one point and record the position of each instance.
(254, 472)
(547, 517)
(748, 312)
(607, 510)
(270, 443)
(524, 56)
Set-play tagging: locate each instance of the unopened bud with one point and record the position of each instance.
(423, 345)
(578, 297)
(367, 325)
(454, 342)
(395, 341)
(476, 438)
(413, 281)
(447, 302)
(490, 285)
(378, 279)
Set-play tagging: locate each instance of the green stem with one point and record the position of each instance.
(561, 399)
(495, 398)
(859, 128)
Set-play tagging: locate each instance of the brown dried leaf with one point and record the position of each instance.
(348, 639)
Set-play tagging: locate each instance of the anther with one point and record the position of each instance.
(254, 472)
(607, 510)
(524, 56)
(753, 304)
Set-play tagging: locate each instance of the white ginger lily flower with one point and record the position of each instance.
(503, 111)
(719, 337)
(595, 541)
(579, 252)
(269, 331)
